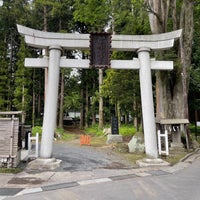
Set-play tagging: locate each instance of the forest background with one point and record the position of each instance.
(93, 95)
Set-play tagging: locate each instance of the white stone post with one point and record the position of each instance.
(50, 108)
(147, 103)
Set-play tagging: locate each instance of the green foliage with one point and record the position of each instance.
(37, 129)
(122, 86)
(127, 130)
(194, 94)
(72, 99)
(124, 130)
(4, 83)
(94, 130)
(60, 134)
(93, 13)
(194, 86)
(60, 130)
(194, 130)
(11, 13)
(18, 84)
(72, 102)
(130, 17)
(22, 100)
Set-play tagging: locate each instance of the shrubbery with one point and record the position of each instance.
(124, 130)
(36, 129)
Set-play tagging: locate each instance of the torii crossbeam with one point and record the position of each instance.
(143, 44)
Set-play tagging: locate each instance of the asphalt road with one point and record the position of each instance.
(182, 185)
(86, 158)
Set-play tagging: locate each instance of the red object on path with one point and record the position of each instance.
(85, 139)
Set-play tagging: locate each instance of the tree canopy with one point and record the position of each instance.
(23, 89)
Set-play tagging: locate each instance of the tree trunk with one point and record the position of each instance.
(86, 106)
(60, 123)
(119, 113)
(82, 110)
(172, 90)
(93, 118)
(33, 110)
(23, 105)
(93, 106)
(62, 87)
(39, 99)
(158, 15)
(136, 116)
(100, 99)
(186, 23)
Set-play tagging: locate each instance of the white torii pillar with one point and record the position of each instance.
(149, 124)
(141, 43)
(50, 107)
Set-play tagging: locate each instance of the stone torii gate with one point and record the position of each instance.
(55, 42)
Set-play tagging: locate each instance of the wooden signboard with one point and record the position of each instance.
(100, 48)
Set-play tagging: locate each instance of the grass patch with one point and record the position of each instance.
(98, 141)
(62, 135)
(133, 157)
(94, 130)
(10, 170)
(122, 149)
(124, 130)
(174, 158)
(68, 136)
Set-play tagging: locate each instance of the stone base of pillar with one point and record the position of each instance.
(151, 162)
(43, 164)
(114, 139)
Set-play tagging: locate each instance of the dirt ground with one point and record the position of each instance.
(74, 129)
(117, 153)
(121, 150)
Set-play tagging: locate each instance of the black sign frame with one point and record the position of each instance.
(100, 49)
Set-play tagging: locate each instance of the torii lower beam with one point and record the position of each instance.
(84, 63)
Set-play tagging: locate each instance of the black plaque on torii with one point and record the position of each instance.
(100, 49)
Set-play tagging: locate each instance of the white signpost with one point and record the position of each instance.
(143, 44)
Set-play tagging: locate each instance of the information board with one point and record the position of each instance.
(100, 49)
(114, 126)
